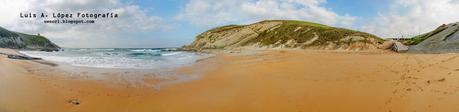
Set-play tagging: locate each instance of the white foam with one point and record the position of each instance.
(97, 59)
(170, 54)
(145, 50)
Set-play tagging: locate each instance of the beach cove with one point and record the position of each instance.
(265, 80)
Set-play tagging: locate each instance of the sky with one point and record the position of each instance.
(173, 23)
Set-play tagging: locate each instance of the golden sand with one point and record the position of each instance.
(268, 81)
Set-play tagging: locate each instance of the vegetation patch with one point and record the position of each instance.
(303, 31)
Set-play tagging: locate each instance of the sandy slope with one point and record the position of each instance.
(286, 81)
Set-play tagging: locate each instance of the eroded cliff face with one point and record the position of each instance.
(444, 39)
(284, 34)
(16, 40)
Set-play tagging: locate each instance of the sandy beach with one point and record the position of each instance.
(265, 81)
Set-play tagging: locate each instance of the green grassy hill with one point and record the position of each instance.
(16, 40)
(284, 34)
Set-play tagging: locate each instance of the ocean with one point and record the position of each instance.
(120, 58)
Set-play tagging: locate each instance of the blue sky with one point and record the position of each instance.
(173, 23)
(163, 8)
(361, 8)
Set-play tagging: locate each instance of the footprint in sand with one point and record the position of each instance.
(442, 80)
(74, 101)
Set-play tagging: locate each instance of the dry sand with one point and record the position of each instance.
(268, 81)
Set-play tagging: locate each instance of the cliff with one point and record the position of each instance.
(443, 39)
(284, 34)
(16, 40)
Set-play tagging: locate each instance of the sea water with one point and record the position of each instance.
(123, 58)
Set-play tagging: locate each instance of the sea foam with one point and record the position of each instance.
(156, 58)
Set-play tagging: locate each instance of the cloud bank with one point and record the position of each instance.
(103, 33)
(413, 17)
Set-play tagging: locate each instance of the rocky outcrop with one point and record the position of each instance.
(444, 39)
(399, 47)
(284, 34)
(16, 40)
(395, 46)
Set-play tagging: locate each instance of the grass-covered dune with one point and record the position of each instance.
(284, 34)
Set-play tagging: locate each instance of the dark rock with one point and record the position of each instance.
(49, 49)
(22, 57)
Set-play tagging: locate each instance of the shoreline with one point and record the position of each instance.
(262, 81)
(120, 58)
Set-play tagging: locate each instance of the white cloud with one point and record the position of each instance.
(413, 17)
(103, 33)
(10, 9)
(209, 13)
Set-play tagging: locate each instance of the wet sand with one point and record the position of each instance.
(266, 81)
